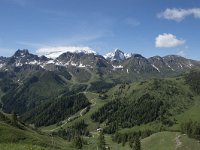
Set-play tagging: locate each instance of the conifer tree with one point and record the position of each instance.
(77, 142)
(14, 118)
(137, 145)
(101, 141)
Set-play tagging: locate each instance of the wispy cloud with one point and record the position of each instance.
(77, 40)
(179, 14)
(31, 44)
(76, 31)
(131, 22)
(87, 36)
(181, 53)
(168, 40)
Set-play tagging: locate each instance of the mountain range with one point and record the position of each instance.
(116, 61)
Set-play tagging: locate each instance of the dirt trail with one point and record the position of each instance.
(93, 104)
(71, 117)
(178, 141)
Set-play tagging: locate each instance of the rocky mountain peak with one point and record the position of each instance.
(21, 53)
(137, 56)
(117, 55)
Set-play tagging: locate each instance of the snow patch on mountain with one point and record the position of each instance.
(34, 62)
(156, 67)
(50, 62)
(169, 66)
(73, 64)
(54, 52)
(127, 70)
(117, 55)
(1, 65)
(81, 65)
(18, 64)
(117, 67)
(127, 55)
(109, 55)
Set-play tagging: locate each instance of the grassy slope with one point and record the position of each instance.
(1, 94)
(167, 141)
(158, 141)
(191, 113)
(134, 90)
(92, 143)
(15, 146)
(14, 138)
(17, 139)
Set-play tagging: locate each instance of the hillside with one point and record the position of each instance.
(169, 141)
(18, 136)
(136, 104)
(180, 104)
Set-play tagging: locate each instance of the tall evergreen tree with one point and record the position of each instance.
(77, 142)
(137, 145)
(14, 118)
(101, 142)
(131, 142)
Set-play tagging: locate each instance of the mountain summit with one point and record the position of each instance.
(117, 55)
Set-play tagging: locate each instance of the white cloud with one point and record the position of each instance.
(168, 40)
(181, 53)
(53, 52)
(179, 14)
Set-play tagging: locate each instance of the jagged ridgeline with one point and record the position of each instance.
(85, 66)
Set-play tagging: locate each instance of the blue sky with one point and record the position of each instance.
(148, 27)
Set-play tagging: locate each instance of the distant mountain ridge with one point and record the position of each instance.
(118, 61)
